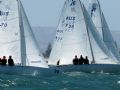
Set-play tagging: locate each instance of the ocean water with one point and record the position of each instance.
(66, 81)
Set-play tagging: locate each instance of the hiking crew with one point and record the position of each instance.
(10, 61)
(81, 60)
(58, 62)
(4, 61)
(75, 61)
(0, 61)
(86, 61)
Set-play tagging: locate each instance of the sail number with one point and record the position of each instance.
(3, 24)
(58, 38)
(70, 18)
(70, 23)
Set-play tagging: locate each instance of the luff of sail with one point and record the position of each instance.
(102, 27)
(75, 39)
(17, 37)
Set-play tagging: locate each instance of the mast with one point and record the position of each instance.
(93, 61)
(22, 36)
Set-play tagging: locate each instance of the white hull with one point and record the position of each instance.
(28, 70)
(105, 68)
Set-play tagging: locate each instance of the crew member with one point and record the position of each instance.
(4, 60)
(10, 61)
(58, 62)
(81, 60)
(86, 61)
(75, 61)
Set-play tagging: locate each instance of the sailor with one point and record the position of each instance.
(75, 60)
(86, 61)
(81, 60)
(0, 61)
(58, 62)
(4, 60)
(10, 61)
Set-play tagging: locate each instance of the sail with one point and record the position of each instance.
(100, 51)
(101, 25)
(79, 37)
(56, 53)
(33, 55)
(16, 37)
(95, 13)
(75, 39)
(9, 30)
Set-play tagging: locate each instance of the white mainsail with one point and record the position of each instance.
(9, 30)
(78, 38)
(102, 27)
(17, 38)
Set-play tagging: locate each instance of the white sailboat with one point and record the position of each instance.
(79, 37)
(17, 40)
(102, 27)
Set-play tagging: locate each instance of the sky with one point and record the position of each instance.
(46, 13)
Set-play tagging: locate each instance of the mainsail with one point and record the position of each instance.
(79, 37)
(102, 27)
(16, 36)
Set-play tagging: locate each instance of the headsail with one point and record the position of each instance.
(33, 55)
(77, 36)
(102, 27)
(101, 52)
(17, 38)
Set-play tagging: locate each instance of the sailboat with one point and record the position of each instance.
(17, 40)
(102, 27)
(77, 35)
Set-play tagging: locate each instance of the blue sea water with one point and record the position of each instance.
(66, 81)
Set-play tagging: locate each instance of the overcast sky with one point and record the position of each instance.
(47, 12)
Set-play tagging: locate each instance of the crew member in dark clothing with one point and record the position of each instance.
(75, 61)
(58, 62)
(86, 61)
(81, 60)
(10, 61)
(4, 60)
(0, 61)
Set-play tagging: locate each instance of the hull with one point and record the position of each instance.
(105, 68)
(28, 70)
